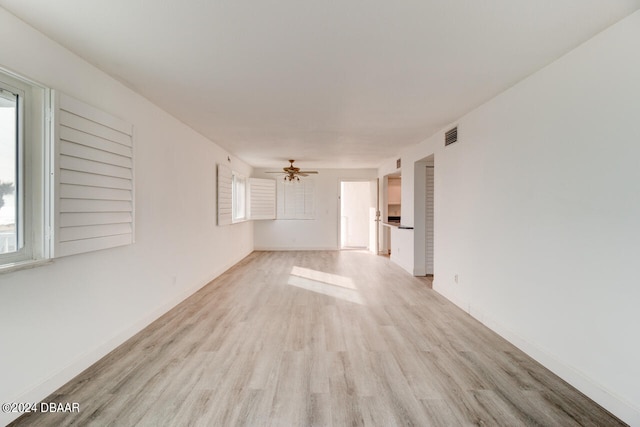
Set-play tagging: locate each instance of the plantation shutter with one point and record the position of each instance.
(295, 199)
(262, 198)
(225, 195)
(93, 179)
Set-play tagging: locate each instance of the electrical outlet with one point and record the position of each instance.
(174, 280)
(455, 278)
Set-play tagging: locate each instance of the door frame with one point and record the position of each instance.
(376, 222)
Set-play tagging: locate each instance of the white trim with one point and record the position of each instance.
(32, 183)
(40, 391)
(578, 379)
(23, 265)
(238, 200)
(296, 248)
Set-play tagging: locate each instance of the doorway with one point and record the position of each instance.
(359, 215)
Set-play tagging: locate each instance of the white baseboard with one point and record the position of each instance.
(624, 410)
(402, 263)
(40, 391)
(294, 248)
(578, 379)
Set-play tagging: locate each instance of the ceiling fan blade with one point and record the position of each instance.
(291, 171)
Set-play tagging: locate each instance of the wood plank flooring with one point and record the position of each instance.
(319, 339)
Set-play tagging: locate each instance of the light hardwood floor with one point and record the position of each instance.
(319, 338)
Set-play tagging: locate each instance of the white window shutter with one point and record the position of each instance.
(262, 198)
(309, 201)
(225, 197)
(282, 200)
(93, 171)
(296, 199)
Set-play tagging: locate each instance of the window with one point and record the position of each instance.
(10, 142)
(239, 197)
(23, 170)
(242, 199)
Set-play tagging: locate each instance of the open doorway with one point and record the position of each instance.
(359, 215)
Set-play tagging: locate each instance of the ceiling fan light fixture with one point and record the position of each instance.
(293, 173)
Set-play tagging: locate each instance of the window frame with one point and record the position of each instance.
(18, 180)
(238, 197)
(33, 183)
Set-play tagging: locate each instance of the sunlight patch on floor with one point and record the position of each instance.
(323, 283)
(321, 276)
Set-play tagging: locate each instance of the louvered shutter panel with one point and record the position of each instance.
(93, 179)
(307, 202)
(429, 210)
(262, 198)
(295, 200)
(225, 195)
(282, 201)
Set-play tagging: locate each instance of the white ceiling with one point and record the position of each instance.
(328, 83)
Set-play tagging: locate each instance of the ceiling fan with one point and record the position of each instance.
(292, 173)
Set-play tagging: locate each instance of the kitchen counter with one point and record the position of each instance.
(398, 225)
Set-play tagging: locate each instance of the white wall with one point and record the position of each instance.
(537, 211)
(57, 319)
(319, 233)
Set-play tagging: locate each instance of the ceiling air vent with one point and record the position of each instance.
(451, 136)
